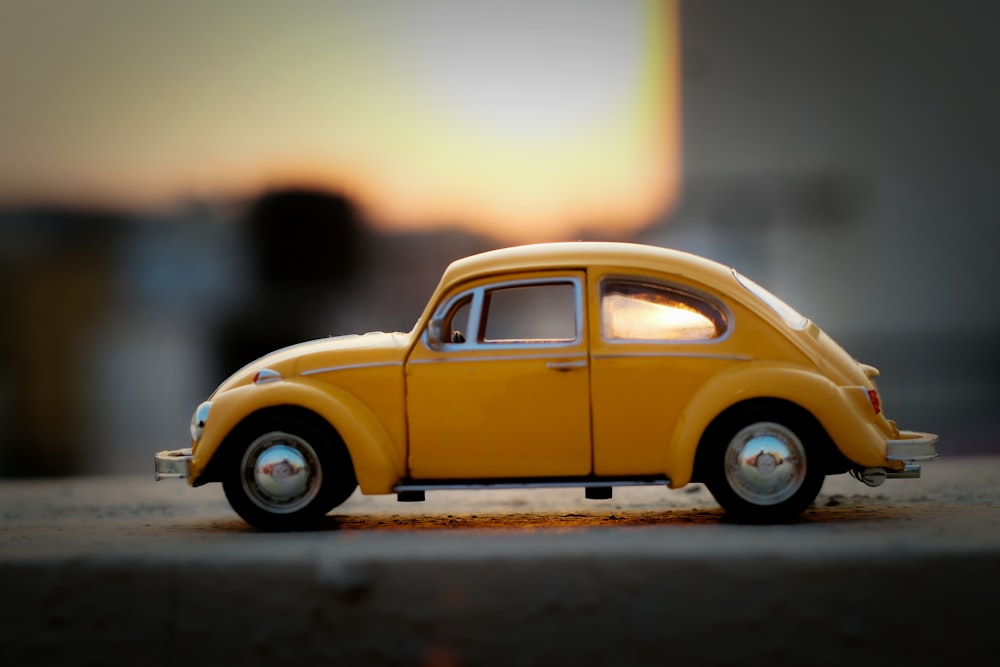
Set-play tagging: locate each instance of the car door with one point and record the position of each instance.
(654, 344)
(499, 385)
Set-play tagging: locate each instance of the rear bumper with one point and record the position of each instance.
(909, 447)
(173, 464)
(912, 446)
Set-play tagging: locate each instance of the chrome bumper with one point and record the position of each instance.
(173, 464)
(912, 446)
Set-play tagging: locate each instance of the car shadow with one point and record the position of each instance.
(569, 521)
(518, 521)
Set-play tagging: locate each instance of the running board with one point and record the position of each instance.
(595, 489)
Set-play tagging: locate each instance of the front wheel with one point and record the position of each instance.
(758, 468)
(284, 473)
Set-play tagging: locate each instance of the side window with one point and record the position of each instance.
(542, 313)
(643, 311)
(457, 323)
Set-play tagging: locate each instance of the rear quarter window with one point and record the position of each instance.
(632, 310)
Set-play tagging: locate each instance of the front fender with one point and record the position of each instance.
(378, 464)
(856, 434)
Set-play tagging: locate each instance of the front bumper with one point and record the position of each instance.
(173, 464)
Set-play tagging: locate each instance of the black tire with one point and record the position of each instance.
(762, 463)
(285, 472)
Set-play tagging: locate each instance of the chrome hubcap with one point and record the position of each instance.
(765, 463)
(281, 472)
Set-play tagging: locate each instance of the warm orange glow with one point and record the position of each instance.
(524, 120)
(628, 318)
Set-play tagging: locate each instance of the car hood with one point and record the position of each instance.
(325, 353)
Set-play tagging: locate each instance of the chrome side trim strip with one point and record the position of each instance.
(539, 484)
(346, 367)
(519, 357)
(691, 355)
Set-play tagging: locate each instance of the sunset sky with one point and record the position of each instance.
(523, 119)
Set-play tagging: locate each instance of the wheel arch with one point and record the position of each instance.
(214, 469)
(759, 384)
(377, 464)
(820, 444)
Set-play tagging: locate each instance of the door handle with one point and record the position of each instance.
(566, 365)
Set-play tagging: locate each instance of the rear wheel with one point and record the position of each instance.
(282, 472)
(762, 464)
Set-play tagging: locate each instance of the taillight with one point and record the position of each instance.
(875, 401)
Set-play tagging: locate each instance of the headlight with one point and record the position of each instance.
(198, 420)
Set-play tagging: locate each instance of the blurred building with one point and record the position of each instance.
(56, 283)
(117, 327)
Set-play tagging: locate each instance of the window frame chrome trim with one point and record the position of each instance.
(476, 312)
(707, 297)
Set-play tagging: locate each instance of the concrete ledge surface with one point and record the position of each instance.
(125, 571)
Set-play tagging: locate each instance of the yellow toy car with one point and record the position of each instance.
(567, 364)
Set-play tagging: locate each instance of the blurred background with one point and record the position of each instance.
(186, 185)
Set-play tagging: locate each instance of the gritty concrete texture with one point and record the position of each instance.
(105, 571)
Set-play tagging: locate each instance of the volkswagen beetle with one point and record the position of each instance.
(569, 364)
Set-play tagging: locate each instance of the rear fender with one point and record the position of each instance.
(835, 408)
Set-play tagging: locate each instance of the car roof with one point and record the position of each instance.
(583, 254)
